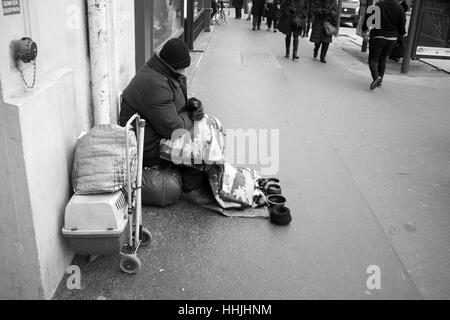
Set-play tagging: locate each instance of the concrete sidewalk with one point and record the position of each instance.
(366, 175)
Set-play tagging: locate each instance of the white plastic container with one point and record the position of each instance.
(96, 224)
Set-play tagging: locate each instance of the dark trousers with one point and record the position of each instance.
(274, 20)
(238, 13)
(323, 52)
(294, 34)
(379, 51)
(193, 179)
(256, 21)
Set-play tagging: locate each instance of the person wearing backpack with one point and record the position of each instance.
(292, 22)
(323, 11)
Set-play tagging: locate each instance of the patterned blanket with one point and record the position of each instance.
(203, 148)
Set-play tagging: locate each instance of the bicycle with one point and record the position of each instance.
(221, 17)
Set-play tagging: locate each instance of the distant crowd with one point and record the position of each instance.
(295, 18)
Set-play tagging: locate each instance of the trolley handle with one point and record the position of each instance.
(140, 125)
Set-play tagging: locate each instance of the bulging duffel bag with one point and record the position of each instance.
(100, 160)
(161, 185)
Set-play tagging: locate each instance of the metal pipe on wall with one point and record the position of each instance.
(100, 60)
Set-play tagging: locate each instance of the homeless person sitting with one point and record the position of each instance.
(158, 92)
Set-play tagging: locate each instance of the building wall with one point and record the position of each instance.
(19, 267)
(39, 131)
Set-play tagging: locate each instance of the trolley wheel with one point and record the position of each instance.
(146, 237)
(130, 264)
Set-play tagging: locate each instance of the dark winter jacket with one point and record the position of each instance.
(323, 10)
(289, 8)
(393, 20)
(158, 93)
(258, 8)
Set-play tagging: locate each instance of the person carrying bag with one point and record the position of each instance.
(292, 23)
(324, 26)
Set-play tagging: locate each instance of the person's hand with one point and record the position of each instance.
(195, 109)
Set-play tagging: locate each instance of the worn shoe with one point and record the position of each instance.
(375, 83)
(315, 54)
(197, 196)
(253, 28)
(323, 60)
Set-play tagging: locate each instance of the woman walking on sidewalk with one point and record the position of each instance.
(322, 10)
(257, 12)
(384, 39)
(292, 22)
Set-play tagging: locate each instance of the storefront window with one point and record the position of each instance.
(168, 20)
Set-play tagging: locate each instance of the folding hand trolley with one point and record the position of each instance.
(107, 224)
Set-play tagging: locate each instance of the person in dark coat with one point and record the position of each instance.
(257, 13)
(237, 4)
(322, 10)
(158, 92)
(289, 10)
(383, 39)
(273, 13)
(398, 51)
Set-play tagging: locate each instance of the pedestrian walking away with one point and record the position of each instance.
(273, 13)
(257, 13)
(323, 11)
(383, 39)
(399, 49)
(238, 4)
(292, 22)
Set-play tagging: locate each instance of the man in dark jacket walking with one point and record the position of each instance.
(158, 92)
(384, 38)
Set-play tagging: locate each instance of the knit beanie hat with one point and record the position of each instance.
(176, 54)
